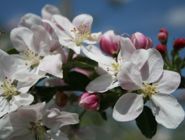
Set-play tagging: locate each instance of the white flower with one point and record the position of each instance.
(109, 67)
(30, 19)
(13, 93)
(36, 48)
(148, 80)
(37, 122)
(74, 35)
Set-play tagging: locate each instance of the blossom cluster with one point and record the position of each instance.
(125, 69)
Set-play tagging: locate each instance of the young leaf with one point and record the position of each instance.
(147, 123)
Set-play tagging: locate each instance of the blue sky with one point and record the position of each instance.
(146, 16)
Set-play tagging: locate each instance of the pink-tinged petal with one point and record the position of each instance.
(83, 21)
(129, 77)
(41, 40)
(22, 38)
(29, 20)
(167, 110)
(168, 82)
(100, 84)
(48, 11)
(52, 64)
(65, 25)
(97, 55)
(153, 68)
(126, 49)
(139, 57)
(26, 114)
(128, 107)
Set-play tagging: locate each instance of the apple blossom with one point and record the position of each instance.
(109, 67)
(36, 48)
(149, 81)
(38, 122)
(15, 82)
(74, 35)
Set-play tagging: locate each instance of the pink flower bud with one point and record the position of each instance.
(179, 43)
(163, 35)
(140, 41)
(89, 101)
(109, 43)
(164, 31)
(161, 48)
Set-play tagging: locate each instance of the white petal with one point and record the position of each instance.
(97, 55)
(126, 49)
(57, 136)
(5, 127)
(22, 38)
(55, 119)
(4, 106)
(167, 110)
(29, 20)
(52, 64)
(139, 57)
(41, 40)
(129, 77)
(100, 84)
(23, 99)
(48, 11)
(153, 68)
(26, 81)
(169, 82)
(64, 24)
(128, 107)
(83, 20)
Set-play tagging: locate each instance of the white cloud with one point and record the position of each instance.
(176, 17)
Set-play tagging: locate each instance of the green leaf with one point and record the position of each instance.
(77, 81)
(12, 51)
(147, 123)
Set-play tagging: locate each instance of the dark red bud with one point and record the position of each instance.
(179, 43)
(161, 48)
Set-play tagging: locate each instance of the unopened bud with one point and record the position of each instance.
(140, 41)
(109, 43)
(161, 48)
(89, 101)
(163, 35)
(179, 43)
(61, 99)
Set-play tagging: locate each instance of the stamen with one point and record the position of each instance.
(32, 57)
(115, 67)
(9, 89)
(148, 90)
(38, 130)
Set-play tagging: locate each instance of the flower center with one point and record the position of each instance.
(32, 57)
(148, 90)
(38, 130)
(81, 33)
(116, 67)
(9, 89)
